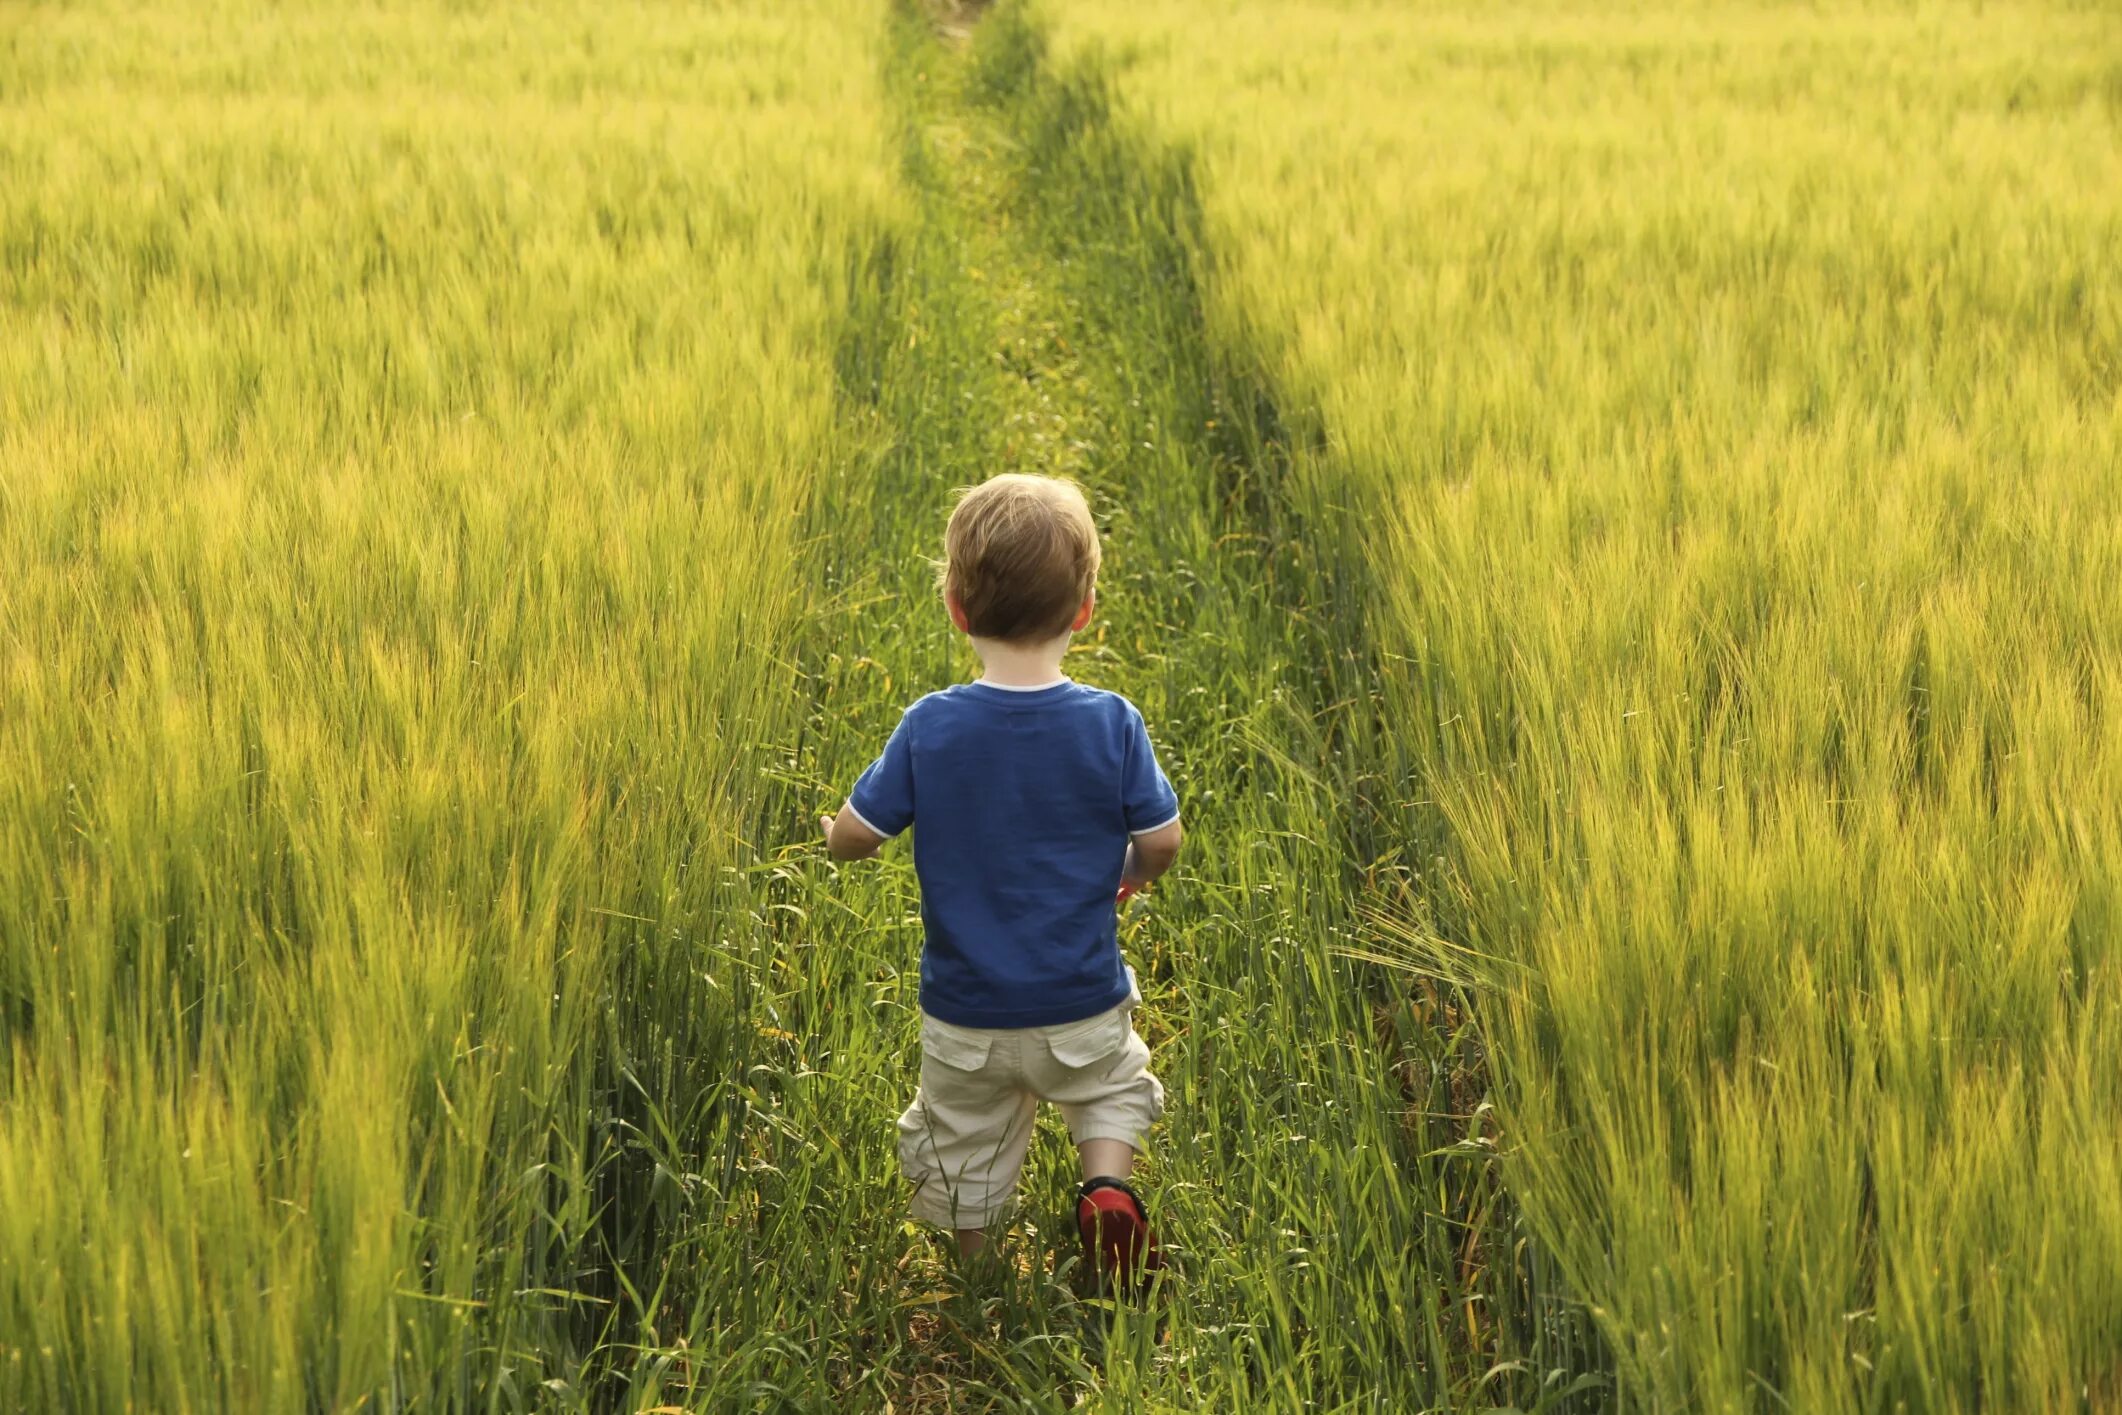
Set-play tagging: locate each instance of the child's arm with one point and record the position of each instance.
(885, 793)
(848, 837)
(1150, 855)
(1151, 810)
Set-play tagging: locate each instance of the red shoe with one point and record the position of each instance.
(1117, 1243)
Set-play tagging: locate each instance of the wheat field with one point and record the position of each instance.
(384, 393)
(1739, 393)
(1613, 516)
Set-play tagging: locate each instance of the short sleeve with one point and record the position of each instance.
(1146, 795)
(884, 794)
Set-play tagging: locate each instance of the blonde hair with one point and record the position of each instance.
(1021, 555)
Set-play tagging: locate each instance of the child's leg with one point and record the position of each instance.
(1107, 1159)
(964, 1138)
(1097, 1071)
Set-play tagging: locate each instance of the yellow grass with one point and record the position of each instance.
(464, 479)
(1741, 383)
(386, 396)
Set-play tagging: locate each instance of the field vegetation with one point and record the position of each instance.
(1611, 516)
(1732, 391)
(408, 416)
(470, 485)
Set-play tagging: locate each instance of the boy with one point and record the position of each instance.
(1037, 803)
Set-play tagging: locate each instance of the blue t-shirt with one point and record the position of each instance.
(1024, 800)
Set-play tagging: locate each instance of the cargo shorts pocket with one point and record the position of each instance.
(960, 1048)
(1094, 1039)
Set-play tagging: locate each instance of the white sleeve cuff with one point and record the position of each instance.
(880, 834)
(1153, 829)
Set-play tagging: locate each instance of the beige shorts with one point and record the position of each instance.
(963, 1140)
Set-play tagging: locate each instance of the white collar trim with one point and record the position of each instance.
(1020, 687)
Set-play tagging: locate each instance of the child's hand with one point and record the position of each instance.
(1128, 890)
(847, 838)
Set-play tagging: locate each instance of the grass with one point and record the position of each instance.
(471, 486)
(1609, 515)
(1736, 390)
(1039, 315)
(385, 394)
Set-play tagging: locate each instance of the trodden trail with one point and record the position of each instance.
(1040, 313)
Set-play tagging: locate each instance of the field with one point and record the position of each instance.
(1613, 516)
(1737, 389)
(384, 393)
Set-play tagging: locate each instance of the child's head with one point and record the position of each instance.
(1020, 558)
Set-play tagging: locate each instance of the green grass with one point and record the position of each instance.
(1040, 315)
(1610, 516)
(385, 393)
(497, 524)
(1734, 390)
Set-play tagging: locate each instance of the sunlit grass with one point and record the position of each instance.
(1742, 383)
(389, 398)
(1616, 508)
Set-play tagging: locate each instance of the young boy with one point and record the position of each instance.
(1036, 803)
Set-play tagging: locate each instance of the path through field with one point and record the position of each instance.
(1044, 318)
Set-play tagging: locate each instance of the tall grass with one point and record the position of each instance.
(1736, 391)
(1039, 315)
(469, 485)
(1625, 500)
(405, 418)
